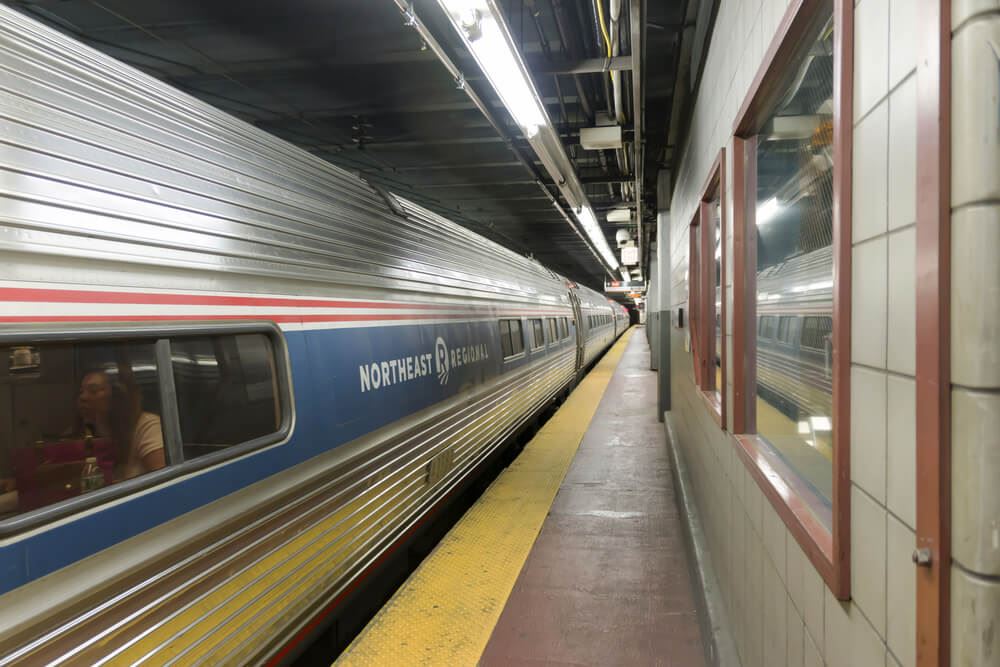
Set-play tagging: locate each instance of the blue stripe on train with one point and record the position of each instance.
(334, 405)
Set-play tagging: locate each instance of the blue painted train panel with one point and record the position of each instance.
(347, 382)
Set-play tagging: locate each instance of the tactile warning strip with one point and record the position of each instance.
(445, 612)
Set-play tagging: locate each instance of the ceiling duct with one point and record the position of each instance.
(620, 215)
(601, 138)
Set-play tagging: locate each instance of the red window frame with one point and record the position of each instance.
(694, 299)
(704, 305)
(827, 548)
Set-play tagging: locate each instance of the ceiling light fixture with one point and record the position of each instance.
(588, 220)
(768, 211)
(485, 37)
(480, 25)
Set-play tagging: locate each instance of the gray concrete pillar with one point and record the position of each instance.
(662, 306)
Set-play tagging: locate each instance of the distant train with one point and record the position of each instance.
(234, 377)
(794, 334)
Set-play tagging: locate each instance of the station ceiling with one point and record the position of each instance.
(349, 81)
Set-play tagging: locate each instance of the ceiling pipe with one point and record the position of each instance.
(574, 196)
(616, 77)
(557, 12)
(637, 11)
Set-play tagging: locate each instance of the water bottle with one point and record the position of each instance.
(92, 477)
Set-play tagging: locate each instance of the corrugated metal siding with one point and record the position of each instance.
(103, 162)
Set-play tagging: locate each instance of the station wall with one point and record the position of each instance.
(779, 607)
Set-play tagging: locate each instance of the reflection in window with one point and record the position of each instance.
(75, 417)
(785, 329)
(794, 219)
(226, 390)
(715, 231)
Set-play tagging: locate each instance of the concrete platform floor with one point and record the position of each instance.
(608, 580)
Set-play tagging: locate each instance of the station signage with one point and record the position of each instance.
(623, 287)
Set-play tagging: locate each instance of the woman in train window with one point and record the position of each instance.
(112, 408)
(114, 427)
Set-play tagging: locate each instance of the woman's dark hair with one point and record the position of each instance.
(125, 410)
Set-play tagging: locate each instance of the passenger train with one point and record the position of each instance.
(794, 334)
(235, 377)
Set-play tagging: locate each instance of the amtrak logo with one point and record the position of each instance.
(441, 360)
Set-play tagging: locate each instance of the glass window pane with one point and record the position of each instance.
(505, 347)
(227, 390)
(516, 337)
(715, 230)
(538, 333)
(794, 219)
(63, 403)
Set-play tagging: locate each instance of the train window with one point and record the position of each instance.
(767, 326)
(553, 330)
(537, 334)
(76, 417)
(785, 329)
(79, 419)
(511, 338)
(563, 328)
(816, 332)
(227, 390)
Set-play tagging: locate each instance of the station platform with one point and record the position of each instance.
(574, 555)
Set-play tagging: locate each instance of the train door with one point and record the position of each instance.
(574, 301)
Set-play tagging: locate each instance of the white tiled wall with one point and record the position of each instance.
(781, 610)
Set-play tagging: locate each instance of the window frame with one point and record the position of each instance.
(524, 348)
(551, 330)
(158, 334)
(532, 339)
(704, 303)
(827, 549)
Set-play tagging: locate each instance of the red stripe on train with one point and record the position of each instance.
(195, 318)
(97, 296)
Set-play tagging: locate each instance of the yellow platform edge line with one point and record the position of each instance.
(446, 610)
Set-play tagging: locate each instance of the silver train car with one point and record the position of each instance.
(794, 334)
(234, 378)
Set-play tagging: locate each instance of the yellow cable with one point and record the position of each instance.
(604, 30)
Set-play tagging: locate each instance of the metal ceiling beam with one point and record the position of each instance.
(604, 180)
(582, 66)
(476, 184)
(437, 166)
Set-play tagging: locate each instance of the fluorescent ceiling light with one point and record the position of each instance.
(589, 222)
(485, 37)
(812, 287)
(480, 25)
(767, 211)
(821, 424)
